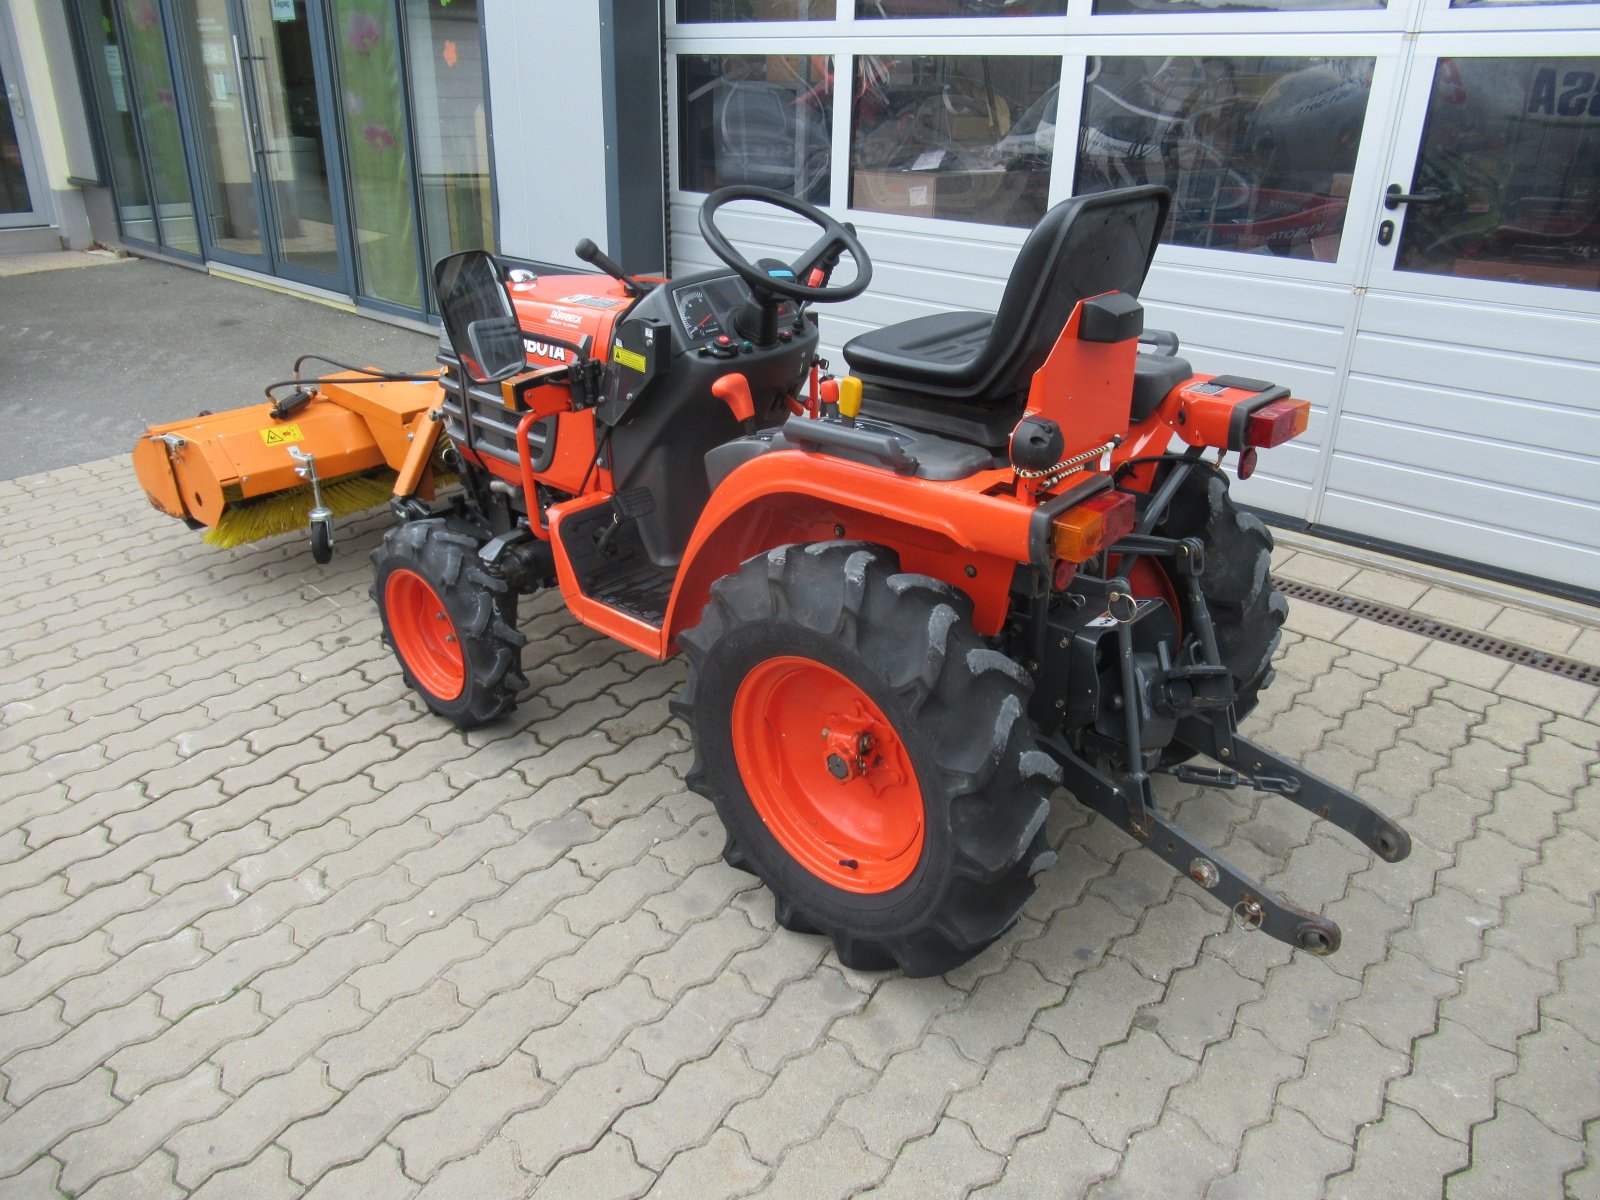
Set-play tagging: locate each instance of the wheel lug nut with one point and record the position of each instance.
(838, 768)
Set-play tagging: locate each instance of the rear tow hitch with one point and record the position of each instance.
(1131, 702)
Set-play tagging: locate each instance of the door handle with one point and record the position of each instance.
(244, 100)
(1394, 197)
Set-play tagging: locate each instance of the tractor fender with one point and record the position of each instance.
(950, 530)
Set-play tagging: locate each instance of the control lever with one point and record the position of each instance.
(733, 390)
(593, 255)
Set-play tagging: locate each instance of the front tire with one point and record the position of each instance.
(449, 621)
(871, 759)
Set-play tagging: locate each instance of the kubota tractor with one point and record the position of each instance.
(915, 599)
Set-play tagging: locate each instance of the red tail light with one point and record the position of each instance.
(1085, 529)
(1275, 423)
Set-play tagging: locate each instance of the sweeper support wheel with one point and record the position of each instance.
(871, 760)
(450, 622)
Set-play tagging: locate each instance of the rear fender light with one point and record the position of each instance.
(1085, 529)
(1276, 423)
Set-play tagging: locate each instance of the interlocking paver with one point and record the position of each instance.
(580, 1111)
(201, 832)
(1285, 1157)
(263, 1178)
(359, 1120)
(78, 1052)
(133, 1132)
(909, 1096)
(51, 1116)
(378, 1175)
(386, 1039)
(243, 1129)
(150, 1180)
(691, 1106)
(472, 1110)
(1514, 1154)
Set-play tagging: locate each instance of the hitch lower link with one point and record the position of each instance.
(1127, 799)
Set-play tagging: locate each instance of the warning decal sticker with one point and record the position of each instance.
(282, 435)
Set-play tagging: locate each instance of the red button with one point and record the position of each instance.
(724, 340)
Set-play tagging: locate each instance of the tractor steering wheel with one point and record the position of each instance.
(836, 237)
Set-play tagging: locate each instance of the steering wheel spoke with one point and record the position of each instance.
(835, 237)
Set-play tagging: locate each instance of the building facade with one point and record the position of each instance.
(1392, 207)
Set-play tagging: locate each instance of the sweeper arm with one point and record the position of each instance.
(232, 471)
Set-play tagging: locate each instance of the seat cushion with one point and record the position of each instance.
(939, 351)
(1154, 375)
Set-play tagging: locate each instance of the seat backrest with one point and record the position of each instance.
(1083, 247)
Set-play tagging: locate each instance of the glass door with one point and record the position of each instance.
(22, 198)
(279, 64)
(265, 184)
(1494, 188)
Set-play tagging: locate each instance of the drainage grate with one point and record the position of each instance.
(1399, 618)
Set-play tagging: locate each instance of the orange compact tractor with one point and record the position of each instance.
(915, 599)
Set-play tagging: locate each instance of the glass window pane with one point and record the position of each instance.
(149, 76)
(954, 137)
(227, 166)
(1512, 148)
(1124, 7)
(764, 119)
(451, 126)
(367, 47)
(106, 77)
(959, 8)
(1258, 152)
(755, 10)
(1499, 3)
(14, 194)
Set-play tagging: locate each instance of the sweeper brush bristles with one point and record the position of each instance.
(261, 517)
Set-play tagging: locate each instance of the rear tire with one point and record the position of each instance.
(804, 633)
(449, 621)
(1247, 610)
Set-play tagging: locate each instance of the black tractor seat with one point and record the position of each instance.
(966, 374)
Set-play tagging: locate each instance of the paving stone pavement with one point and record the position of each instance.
(268, 929)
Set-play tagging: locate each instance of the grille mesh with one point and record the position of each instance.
(1440, 631)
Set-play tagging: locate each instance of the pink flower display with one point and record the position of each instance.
(145, 17)
(379, 136)
(363, 32)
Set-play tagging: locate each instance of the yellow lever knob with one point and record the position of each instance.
(849, 396)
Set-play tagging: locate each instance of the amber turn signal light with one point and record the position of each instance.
(1085, 529)
(1275, 423)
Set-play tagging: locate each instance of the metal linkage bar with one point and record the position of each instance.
(1261, 768)
(1253, 906)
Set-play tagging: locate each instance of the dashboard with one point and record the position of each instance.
(707, 309)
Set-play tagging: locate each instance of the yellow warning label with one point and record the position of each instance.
(631, 359)
(282, 435)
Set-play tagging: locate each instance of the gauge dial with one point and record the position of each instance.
(699, 318)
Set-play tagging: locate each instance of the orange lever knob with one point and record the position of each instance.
(734, 391)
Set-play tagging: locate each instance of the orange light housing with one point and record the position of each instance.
(1276, 423)
(1085, 529)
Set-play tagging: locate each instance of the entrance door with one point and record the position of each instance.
(1470, 424)
(264, 152)
(23, 200)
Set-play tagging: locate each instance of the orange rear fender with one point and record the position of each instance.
(955, 531)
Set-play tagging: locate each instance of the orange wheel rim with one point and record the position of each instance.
(424, 634)
(828, 774)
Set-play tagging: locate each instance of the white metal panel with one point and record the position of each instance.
(544, 99)
(1457, 411)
